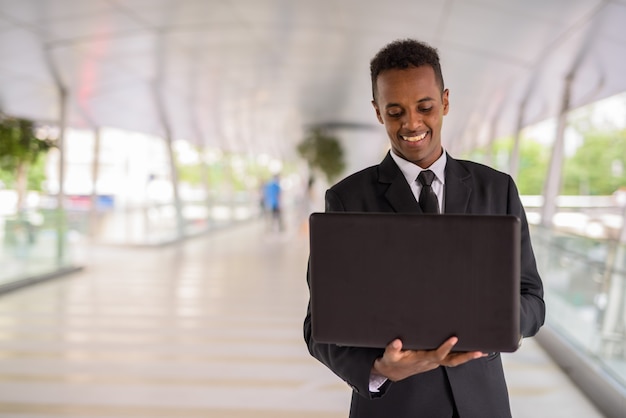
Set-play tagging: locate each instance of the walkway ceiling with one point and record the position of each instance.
(250, 75)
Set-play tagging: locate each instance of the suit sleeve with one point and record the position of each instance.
(351, 364)
(532, 307)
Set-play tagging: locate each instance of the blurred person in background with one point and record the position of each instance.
(272, 192)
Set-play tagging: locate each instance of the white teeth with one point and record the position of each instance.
(415, 138)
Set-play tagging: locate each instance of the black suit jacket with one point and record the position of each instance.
(477, 388)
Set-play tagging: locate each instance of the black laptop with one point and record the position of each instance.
(422, 278)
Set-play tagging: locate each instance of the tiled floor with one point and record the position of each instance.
(208, 328)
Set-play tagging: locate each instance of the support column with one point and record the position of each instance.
(180, 222)
(61, 222)
(514, 158)
(489, 151)
(552, 186)
(200, 137)
(95, 174)
(157, 89)
(614, 318)
(493, 129)
(61, 215)
(622, 235)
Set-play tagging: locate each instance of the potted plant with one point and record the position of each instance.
(322, 152)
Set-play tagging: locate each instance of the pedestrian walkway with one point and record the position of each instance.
(211, 327)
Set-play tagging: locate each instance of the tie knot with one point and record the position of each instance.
(426, 177)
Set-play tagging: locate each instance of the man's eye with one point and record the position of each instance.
(426, 109)
(394, 114)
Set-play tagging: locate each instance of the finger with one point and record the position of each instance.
(444, 349)
(395, 345)
(456, 359)
(394, 349)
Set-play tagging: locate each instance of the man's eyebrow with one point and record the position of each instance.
(425, 99)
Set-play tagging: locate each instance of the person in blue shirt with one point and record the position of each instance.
(272, 198)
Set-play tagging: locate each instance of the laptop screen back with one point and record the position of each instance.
(420, 278)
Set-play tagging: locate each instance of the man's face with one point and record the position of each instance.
(410, 104)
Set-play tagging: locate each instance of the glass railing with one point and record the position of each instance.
(585, 294)
(38, 242)
(158, 223)
(34, 243)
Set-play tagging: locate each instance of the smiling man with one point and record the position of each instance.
(411, 103)
(410, 100)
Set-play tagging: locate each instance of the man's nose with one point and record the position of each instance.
(413, 121)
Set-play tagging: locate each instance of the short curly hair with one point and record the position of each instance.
(403, 54)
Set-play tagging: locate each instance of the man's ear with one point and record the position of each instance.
(445, 101)
(380, 118)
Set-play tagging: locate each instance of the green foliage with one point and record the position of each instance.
(37, 174)
(190, 173)
(18, 143)
(7, 179)
(533, 167)
(323, 152)
(248, 174)
(598, 167)
(20, 146)
(533, 164)
(501, 151)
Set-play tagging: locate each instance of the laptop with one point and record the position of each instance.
(375, 277)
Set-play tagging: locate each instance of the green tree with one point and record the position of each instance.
(19, 150)
(598, 167)
(323, 152)
(533, 164)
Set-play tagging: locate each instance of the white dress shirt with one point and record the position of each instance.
(410, 172)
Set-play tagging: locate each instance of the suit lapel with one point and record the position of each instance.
(398, 192)
(457, 189)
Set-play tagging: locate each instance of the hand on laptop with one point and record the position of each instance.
(398, 364)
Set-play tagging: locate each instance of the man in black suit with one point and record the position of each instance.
(410, 101)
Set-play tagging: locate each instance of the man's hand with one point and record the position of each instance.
(397, 364)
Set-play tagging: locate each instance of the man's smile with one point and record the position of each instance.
(415, 138)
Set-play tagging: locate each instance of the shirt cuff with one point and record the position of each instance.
(376, 381)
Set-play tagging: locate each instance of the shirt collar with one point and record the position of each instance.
(411, 170)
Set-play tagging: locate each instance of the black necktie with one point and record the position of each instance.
(428, 199)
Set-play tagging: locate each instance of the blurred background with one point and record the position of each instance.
(143, 143)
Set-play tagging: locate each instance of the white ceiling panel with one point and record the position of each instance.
(561, 12)
(613, 21)
(173, 14)
(95, 27)
(511, 38)
(253, 74)
(16, 99)
(36, 12)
